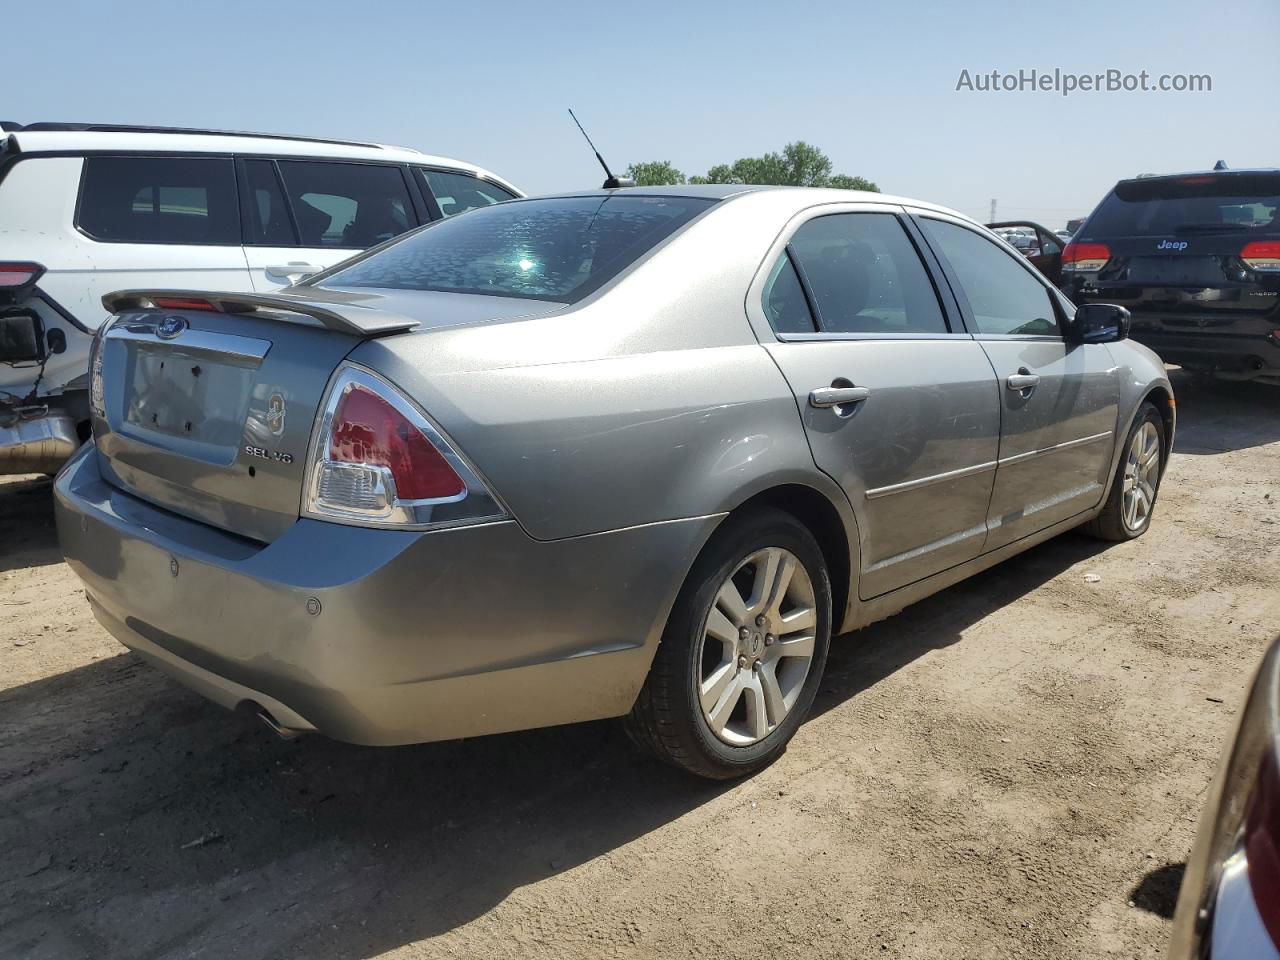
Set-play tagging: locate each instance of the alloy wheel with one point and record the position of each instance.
(757, 646)
(1141, 474)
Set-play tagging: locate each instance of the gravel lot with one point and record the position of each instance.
(1012, 768)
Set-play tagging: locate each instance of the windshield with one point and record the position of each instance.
(1198, 204)
(557, 249)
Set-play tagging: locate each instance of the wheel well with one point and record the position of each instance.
(1163, 401)
(822, 519)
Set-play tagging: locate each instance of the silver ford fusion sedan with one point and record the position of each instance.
(632, 453)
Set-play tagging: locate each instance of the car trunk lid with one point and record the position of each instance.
(205, 403)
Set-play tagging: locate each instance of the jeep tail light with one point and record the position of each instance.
(377, 459)
(1262, 256)
(1085, 256)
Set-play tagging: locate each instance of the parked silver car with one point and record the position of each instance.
(632, 453)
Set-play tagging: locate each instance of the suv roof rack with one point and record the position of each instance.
(58, 126)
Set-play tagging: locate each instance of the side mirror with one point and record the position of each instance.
(1098, 323)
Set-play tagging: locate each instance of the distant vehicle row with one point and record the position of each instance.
(1195, 257)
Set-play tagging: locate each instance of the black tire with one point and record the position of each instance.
(667, 719)
(1110, 523)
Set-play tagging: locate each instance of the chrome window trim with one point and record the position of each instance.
(824, 336)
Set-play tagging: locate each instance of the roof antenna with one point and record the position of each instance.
(611, 182)
(1220, 165)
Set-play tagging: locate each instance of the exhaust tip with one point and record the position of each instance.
(276, 727)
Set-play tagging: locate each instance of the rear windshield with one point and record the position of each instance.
(1186, 206)
(557, 249)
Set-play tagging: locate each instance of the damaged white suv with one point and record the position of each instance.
(86, 209)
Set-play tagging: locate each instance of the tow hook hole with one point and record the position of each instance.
(253, 472)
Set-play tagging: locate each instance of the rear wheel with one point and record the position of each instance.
(743, 652)
(1132, 499)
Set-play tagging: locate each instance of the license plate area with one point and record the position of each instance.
(1176, 271)
(188, 398)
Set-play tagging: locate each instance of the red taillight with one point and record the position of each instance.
(1263, 255)
(378, 460)
(1262, 846)
(1085, 256)
(1195, 181)
(182, 303)
(369, 430)
(15, 276)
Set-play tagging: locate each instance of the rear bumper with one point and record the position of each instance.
(1227, 352)
(375, 636)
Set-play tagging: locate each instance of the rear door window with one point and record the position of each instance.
(352, 205)
(178, 200)
(865, 276)
(459, 192)
(1003, 295)
(784, 301)
(267, 213)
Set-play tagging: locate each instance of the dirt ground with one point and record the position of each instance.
(1012, 768)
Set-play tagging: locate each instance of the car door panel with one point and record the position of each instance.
(1058, 401)
(914, 445)
(916, 458)
(1056, 439)
(158, 221)
(298, 263)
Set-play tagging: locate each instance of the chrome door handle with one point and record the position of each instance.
(1022, 381)
(835, 396)
(293, 269)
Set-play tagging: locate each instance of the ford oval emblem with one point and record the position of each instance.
(170, 327)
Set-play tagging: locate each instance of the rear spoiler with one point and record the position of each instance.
(335, 314)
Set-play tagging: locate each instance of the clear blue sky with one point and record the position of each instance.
(873, 84)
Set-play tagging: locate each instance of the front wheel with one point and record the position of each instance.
(1127, 513)
(743, 652)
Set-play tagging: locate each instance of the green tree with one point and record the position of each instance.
(654, 173)
(799, 164)
(802, 165)
(842, 181)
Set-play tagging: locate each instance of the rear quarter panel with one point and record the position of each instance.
(593, 445)
(651, 400)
